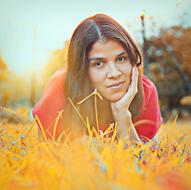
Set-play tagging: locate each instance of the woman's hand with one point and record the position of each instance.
(120, 108)
(121, 112)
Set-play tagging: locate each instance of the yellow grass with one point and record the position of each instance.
(94, 163)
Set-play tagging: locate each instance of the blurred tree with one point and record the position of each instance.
(3, 68)
(12, 89)
(6, 97)
(57, 61)
(169, 57)
(33, 89)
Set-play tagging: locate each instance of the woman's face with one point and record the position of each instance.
(109, 69)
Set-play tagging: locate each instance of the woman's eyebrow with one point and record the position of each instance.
(98, 57)
(122, 53)
(95, 58)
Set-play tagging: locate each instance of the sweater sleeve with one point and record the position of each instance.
(51, 103)
(150, 120)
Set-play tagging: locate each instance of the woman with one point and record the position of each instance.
(103, 57)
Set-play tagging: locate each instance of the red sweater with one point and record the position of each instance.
(53, 100)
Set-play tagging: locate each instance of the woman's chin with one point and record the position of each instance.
(114, 97)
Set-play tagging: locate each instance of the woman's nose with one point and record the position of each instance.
(113, 71)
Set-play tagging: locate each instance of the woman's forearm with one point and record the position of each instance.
(127, 131)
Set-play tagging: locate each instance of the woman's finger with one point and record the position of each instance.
(134, 81)
(132, 90)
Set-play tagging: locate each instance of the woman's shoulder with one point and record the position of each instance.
(149, 120)
(51, 102)
(56, 79)
(54, 89)
(147, 83)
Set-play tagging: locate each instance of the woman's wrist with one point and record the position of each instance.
(126, 129)
(123, 116)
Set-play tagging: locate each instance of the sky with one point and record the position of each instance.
(31, 29)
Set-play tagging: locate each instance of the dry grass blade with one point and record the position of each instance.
(41, 127)
(56, 124)
(75, 108)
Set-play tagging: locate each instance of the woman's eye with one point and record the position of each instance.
(98, 64)
(121, 59)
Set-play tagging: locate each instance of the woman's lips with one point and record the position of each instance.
(116, 85)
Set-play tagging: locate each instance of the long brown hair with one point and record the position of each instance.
(77, 84)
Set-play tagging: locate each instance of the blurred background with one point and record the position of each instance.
(34, 37)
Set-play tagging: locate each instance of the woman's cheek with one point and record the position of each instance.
(96, 78)
(128, 73)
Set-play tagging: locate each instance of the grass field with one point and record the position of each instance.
(94, 163)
